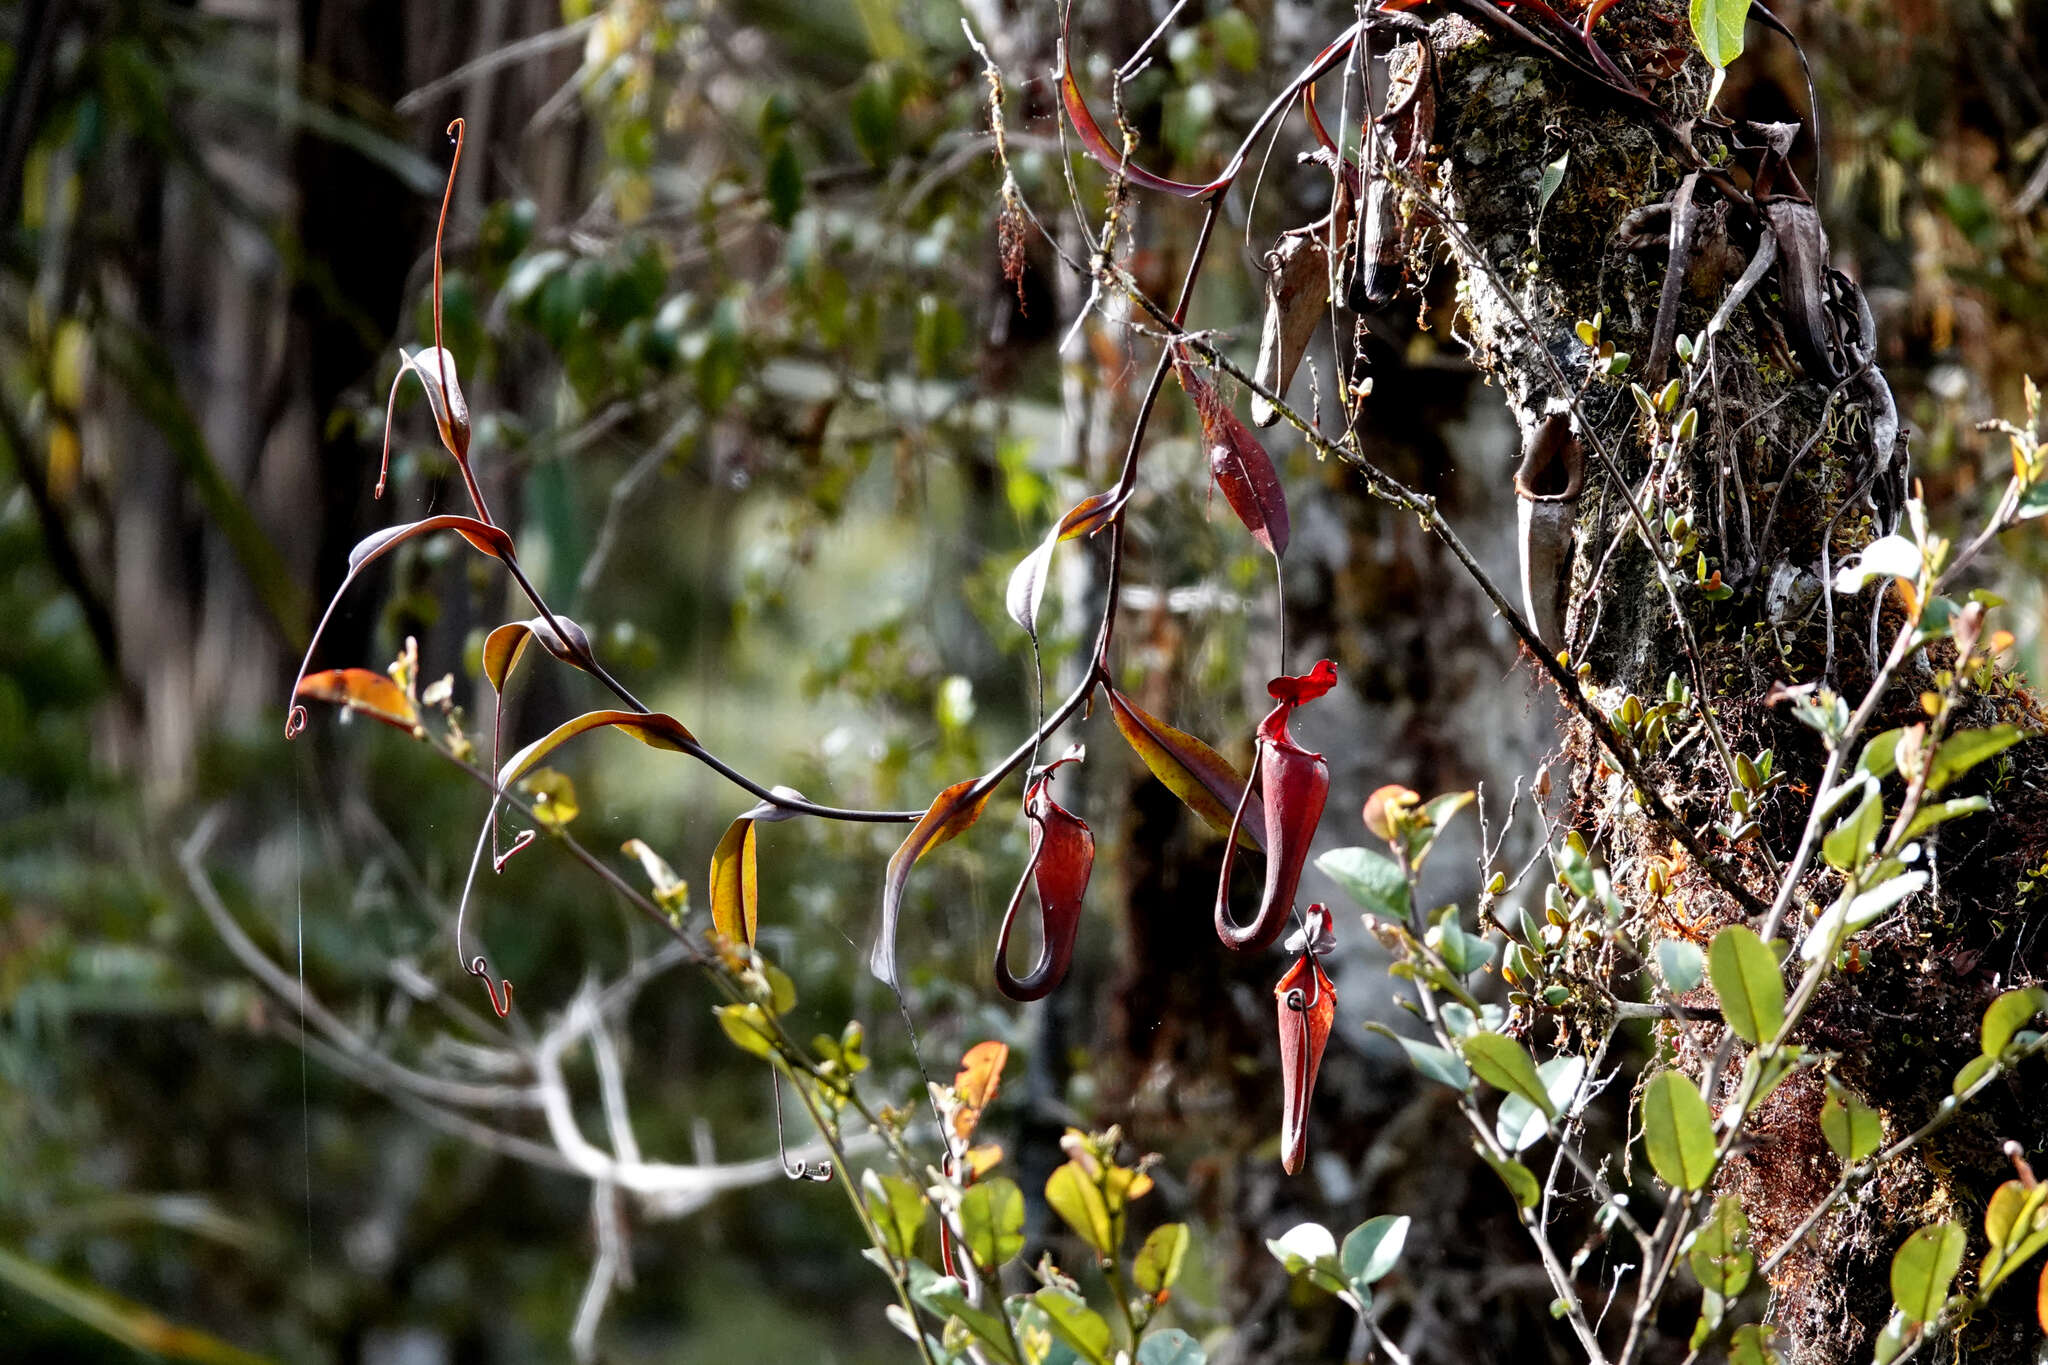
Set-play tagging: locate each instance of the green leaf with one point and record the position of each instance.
(992, 1221)
(1972, 1072)
(1075, 1323)
(897, 1208)
(1717, 27)
(1520, 1123)
(1171, 1347)
(1850, 842)
(1745, 976)
(1519, 1179)
(2008, 1013)
(1372, 1250)
(1076, 1198)
(1553, 176)
(1500, 1061)
(1751, 1345)
(1717, 1251)
(1940, 812)
(1678, 1131)
(1880, 756)
(1680, 963)
(1923, 1269)
(1372, 879)
(1437, 1063)
(783, 183)
(947, 1297)
(1159, 1260)
(1851, 1127)
(1892, 1340)
(1965, 749)
(747, 1025)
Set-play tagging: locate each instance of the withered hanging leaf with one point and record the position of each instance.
(372, 693)
(1238, 463)
(1297, 295)
(951, 813)
(735, 884)
(1027, 580)
(1203, 779)
(481, 534)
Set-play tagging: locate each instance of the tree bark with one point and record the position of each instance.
(1774, 483)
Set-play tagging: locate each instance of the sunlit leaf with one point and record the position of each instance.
(735, 884)
(553, 797)
(976, 1083)
(1681, 964)
(1159, 1261)
(1519, 1179)
(1075, 1323)
(1750, 1344)
(1851, 1127)
(1203, 779)
(1171, 1347)
(898, 1210)
(504, 646)
(951, 813)
(1717, 1252)
(1501, 1062)
(2005, 1016)
(671, 892)
(1924, 1267)
(1521, 1123)
(1678, 1131)
(1076, 1199)
(1965, 749)
(1373, 1249)
(1369, 877)
(992, 1222)
(1027, 580)
(748, 1027)
(364, 690)
(654, 729)
(1746, 977)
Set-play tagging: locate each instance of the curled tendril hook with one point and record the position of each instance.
(794, 1170)
(498, 860)
(501, 1005)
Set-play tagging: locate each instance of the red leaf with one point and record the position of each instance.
(1203, 779)
(1110, 157)
(365, 690)
(952, 811)
(1307, 1006)
(1239, 464)
(1297, 691)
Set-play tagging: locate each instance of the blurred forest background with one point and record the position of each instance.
(766, 415)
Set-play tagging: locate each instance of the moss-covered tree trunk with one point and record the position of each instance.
(1773, 483)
